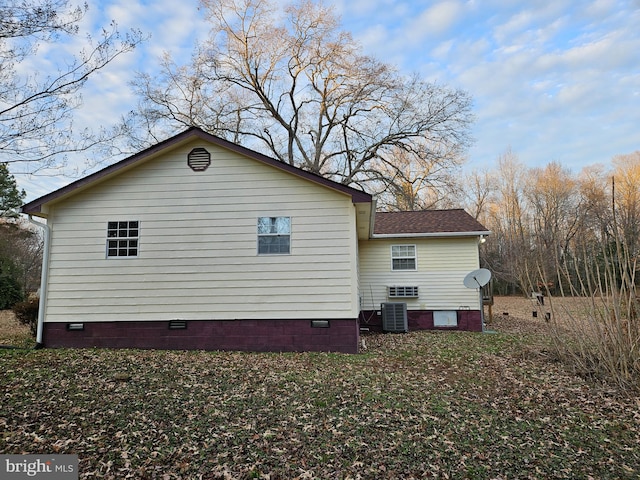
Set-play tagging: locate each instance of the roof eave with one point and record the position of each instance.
(479, 233)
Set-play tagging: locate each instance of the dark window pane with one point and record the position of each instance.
(404, 264)
(263, 245)
(274, 244)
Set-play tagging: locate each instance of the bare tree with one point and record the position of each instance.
(292, 84)
(626, 197)
(36, 124)
(555, 210)
(478, 193)
(509, 254)
(407, 184)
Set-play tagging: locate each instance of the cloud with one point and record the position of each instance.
(609, 52)
(434, 21)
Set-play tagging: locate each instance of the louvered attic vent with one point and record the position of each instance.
(199, 159)
(403, 292)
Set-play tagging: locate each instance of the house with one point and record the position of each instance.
(199, 243)
(421, 259)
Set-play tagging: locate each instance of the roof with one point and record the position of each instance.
(455, 222)
(191, 133)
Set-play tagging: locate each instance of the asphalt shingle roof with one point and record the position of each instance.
(426, 221)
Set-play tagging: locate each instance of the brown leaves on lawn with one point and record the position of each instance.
(417, 405)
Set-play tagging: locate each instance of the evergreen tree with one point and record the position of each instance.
(10, 196)
(11, 288)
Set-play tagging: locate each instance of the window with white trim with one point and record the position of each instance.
(274, 235)
(403, 257)
(122, 239)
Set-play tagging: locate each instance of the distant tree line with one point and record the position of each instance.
(554, 229)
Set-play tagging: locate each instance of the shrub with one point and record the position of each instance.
(603, 341)
(10, 292)
(27, 313)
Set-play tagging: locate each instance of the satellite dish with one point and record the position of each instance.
(477, 279)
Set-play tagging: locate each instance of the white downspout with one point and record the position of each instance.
(44, 277)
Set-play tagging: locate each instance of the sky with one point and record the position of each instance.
(555, 80)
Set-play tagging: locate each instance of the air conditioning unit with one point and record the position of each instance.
(394, 317)
(407, 292)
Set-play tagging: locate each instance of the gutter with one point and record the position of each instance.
(44, 277)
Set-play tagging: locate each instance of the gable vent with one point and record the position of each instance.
(395, 292)
(199, 159)
(394, 317)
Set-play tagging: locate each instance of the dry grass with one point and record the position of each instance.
(526, 315)
(12, 332)
(598, 337)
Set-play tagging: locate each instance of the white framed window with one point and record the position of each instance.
(274, 235)
(123, 239)
(403, 257)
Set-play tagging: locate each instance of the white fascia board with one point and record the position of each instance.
(432, 235)
(372, 218)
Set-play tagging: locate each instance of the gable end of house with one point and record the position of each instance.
(36, 207)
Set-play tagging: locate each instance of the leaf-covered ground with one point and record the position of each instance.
(418, 405)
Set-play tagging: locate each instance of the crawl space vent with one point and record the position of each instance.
(199, 159)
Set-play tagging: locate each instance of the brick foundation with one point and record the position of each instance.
(468, 320)
(342, 335)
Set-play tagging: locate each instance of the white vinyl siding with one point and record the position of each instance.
(199, 234)
(441, 267)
